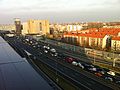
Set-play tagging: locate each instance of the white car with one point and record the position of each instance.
(111, 73)
(52, 50)
(93, 69)
(74, 63)
(80, 65)
(45, 51)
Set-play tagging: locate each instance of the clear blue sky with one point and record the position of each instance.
(60, 10)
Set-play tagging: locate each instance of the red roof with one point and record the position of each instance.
(116, 38)
(96, 33)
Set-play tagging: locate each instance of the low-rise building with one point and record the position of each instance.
(95, 38)
(115, 44)
(7, 27)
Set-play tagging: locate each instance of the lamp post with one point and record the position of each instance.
(94, 55)
(114, 62)
(57, 72)
(114, 54)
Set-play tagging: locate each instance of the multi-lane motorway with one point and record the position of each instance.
(80, 77)
(82, 54)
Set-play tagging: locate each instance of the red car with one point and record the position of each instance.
(69, 59)
(98, 74)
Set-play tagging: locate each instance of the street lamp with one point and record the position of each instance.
(94, 55)
(114, 62)
(114, 59)
(57, 72)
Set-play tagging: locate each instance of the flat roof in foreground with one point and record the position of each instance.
(16, 73)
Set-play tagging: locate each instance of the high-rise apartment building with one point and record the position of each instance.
(40, 27)
(25, 28)
(18, 26)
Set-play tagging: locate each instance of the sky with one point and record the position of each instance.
(60, 10)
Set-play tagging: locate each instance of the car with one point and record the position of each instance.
(98, 74)
(53, 52)
(117, 82)
(45, 51)
(92, 69)
(61, 56)
(31, 42)
(34, 46)
(100, 70)
(111, 73)
(40, 53)
(69, 59)
(46, 47)
(36, 43)
(38, 46)
(80, 65)
(89, 67)
(75, 63)
(109, 78)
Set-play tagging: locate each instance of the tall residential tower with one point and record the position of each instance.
(18, 26)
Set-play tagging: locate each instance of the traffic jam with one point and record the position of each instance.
(104, 73)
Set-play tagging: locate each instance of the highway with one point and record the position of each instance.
(79, 77)
(84, 57)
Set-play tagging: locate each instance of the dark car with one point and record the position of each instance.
(61, 56)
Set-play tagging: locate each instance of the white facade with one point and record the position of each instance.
(119, 34)
(74, 27)
(115, 45)
(104, 42)
(25, 28)
(7, 27)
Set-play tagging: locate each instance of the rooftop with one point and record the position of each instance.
(16, 73)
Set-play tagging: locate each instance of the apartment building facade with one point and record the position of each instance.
(103, 38)
(36, 27)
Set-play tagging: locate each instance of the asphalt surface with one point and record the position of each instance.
(84, 57)
(78, 77)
